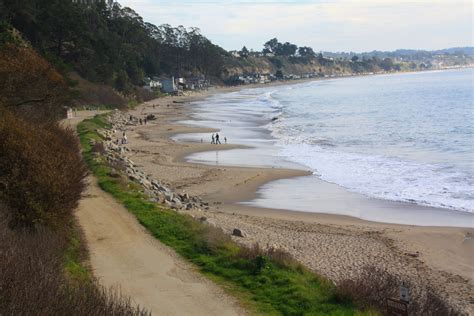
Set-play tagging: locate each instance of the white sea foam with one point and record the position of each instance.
(383, 177)
(378, 176)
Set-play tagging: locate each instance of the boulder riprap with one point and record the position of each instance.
(115, 153)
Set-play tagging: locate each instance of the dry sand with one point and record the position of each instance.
(124, 256)
(335, 246)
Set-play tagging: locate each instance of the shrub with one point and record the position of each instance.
(371, 288)
(215, 238)
(144, 95)
(374, 286)
(30, 85)
(32, 279)
(277, 255)
(98, 148)
(41, 171)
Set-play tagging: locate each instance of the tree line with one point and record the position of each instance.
(110, 44)
(278, 52)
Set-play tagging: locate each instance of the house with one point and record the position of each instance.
(152, 83)
(194, 83)
(263, 78)
(169, 86)
(235, 53)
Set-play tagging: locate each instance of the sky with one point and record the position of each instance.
(324, 25)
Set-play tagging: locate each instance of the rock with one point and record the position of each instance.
(413, 254)
(237, 232)
(189, 206)
(133, 177)
(145, 183)
(207, 221)
(177, 202)
(169, 196)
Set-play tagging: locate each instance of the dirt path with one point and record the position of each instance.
(124, 255)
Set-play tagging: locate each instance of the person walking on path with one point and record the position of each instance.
(217, 139)
(212, 139)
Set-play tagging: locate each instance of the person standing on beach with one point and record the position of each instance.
(212, 139)
(217, 139)
(225, 140)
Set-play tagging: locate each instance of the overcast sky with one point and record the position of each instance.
(327, 25)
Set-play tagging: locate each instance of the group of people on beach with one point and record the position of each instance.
(215, 139)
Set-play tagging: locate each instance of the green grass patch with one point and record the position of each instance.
(132, 104)
(75, 270)
(262, 284)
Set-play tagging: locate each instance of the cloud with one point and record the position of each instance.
(337, 25)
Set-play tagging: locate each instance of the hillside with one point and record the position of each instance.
(108, 44)
(107, 52)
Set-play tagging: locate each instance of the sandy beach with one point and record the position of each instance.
(332, 245)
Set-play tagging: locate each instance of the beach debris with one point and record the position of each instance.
(412, 254)
(238, 232)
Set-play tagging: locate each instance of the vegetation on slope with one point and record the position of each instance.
(269, 281)
(41, 181)
(110, 44)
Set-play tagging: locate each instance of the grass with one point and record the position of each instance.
(263, 284)
(75, 269)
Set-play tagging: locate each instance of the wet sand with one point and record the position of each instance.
(334, 245)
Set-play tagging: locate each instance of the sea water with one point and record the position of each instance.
(398, 137)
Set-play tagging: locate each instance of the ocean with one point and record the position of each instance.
(405, 138)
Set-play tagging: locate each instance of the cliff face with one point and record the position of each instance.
(287, 65)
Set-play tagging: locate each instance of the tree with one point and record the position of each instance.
(287, 49)
(387, 64)
(305, 51)
(244, 52)
(279, 74)
(277, 62)
(100, 41)
(354, 58)
(272, 46)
